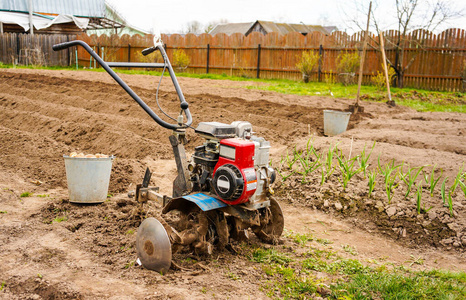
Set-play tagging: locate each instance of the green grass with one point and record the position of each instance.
(26, 194)
(401, 284)
(420, 100)
(318, 272)
(295, 277)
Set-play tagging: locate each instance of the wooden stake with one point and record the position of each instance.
(385, 69)
(361, 66)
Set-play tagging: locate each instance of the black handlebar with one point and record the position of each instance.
(184, 105)
(148, 51)
(62, 46)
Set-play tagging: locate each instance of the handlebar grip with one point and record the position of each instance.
(62, 46)
(148, 51)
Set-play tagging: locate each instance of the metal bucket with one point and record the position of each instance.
(335, 122)
(88, 178)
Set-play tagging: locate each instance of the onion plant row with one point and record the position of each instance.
(311, 163)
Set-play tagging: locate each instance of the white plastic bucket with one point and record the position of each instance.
(335, 122)
(88, 178)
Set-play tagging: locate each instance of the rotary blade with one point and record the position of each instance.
(153, 246)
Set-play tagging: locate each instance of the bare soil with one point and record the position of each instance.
(52, 249)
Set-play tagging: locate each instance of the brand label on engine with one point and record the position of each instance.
(251, 186)
(251, 179)
(250, 174)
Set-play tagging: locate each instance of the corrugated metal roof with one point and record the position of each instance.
(268, 26)
(231, 28)
(79, 8)
(284, 28)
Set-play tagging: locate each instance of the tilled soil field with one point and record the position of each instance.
(52, 249)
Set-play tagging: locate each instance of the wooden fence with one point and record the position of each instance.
(26, 49)
(435, 61)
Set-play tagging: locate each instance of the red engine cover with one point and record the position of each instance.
(234, 177)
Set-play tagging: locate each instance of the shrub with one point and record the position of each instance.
(379, 79)
(348, 62)
(309, 60)
(153, 57)
(181, 60)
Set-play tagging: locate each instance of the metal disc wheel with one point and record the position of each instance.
(153, 246)
(272, 223)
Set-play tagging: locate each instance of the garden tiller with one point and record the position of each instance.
(221, 193)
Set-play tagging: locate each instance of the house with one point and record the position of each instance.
(266, 27)
(60, 17)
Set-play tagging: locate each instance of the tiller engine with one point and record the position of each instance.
(220, 193)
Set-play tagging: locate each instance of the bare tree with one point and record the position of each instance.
(211, 25)
(408, 15)
(193, 27)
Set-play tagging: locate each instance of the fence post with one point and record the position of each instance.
(208, 57)
(129, 53)
(68, 55)
(321, 53)
(17, 48)
(258, 60)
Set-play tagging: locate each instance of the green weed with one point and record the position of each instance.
(233, 276)
(270, 256)
(442, 191)
(60, 219)
(129, 264)
(308, 164)
(26, 194)
(389, 181)
(463, 187)
(349, 249)
(409, 177)
(347, 169)
(416, 260)
(450, 201)
(302, 239)
(323, 241)
(390, 184)
(43, 196)
(3, 212)
(432, 181)
(363, 159)
(329, 167)
(418, 198)
(372, 181)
